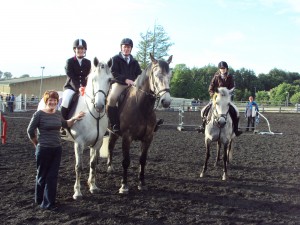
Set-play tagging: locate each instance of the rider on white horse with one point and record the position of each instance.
(222, 78)
(77, 69)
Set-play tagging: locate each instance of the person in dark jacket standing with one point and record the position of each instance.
(125, 70)
(222, 78)
(251, 113)
(43, 132)
(77, 69)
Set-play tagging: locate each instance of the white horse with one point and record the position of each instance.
(219, 128)
(89, 131)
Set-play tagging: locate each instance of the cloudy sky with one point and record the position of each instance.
(254, 34)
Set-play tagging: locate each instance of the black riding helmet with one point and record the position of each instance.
(126, 41)
(79, 43)
(222, 64)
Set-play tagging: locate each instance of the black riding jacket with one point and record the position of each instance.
(122, 71)
(76, 74)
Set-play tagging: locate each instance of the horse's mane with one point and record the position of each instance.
(146, 73)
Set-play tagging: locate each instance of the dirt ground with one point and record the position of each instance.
(263, 185)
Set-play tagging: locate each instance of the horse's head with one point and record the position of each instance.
(98, 84)
(160, 80)
(221, 101)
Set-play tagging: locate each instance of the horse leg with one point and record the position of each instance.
(92, 175)
(229, 152)
(207, 144)
(224, 177)
(111, 145)
(143, 159)
(78, 169)
(125, 163)
(218, 153)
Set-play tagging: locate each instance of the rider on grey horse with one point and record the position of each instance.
(222, 78)
(77, 69)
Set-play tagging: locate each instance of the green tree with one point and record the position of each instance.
(262, 96)
(246, 81)
(24, 76)
(144, 47)
(181, 82)
(283, 91)
(295, 98)
(7, 75)
(1, 73)
(156, 42)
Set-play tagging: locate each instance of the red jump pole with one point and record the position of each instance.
(3, 128)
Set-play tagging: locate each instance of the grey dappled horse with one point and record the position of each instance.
(89, 131)
(219, 128)
(137, 115)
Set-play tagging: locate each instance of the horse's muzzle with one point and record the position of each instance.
(221, 122)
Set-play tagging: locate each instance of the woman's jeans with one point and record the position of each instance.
(47, 164)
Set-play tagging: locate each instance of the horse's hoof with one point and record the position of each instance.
(123, 189)
(201, 174)
(110, 169)
(142, 187)
(224, 177)
(94, 190)
(77, 197)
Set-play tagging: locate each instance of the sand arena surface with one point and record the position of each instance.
(263, 185)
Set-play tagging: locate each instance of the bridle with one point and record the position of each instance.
(156, 93)
(217, 117)
(92, 100)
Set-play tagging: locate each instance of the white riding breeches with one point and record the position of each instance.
(67, 96)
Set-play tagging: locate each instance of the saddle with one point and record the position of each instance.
(122, 96)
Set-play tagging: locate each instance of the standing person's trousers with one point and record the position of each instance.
(47, 164)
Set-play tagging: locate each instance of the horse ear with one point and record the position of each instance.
(96, 61)
(153, 59)
(231, 90)
(170, 59)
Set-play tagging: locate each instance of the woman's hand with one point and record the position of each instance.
(71, 121)
(78, 116)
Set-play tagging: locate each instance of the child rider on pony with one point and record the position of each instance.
(222, 78)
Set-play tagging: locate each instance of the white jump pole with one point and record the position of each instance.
(269, 132)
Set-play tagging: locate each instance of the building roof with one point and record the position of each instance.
(24, 79)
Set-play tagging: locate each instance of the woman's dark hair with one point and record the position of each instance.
(50, 94)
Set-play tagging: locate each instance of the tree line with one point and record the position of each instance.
(276, 86)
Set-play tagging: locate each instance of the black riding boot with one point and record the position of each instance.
(64, 113)
(113, 115)
(235, 121)
(158, 123)
(201, 128)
